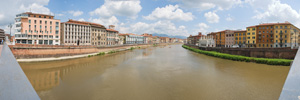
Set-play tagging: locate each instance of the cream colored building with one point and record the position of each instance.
(75, 33)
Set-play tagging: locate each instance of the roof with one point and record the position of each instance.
(240, 31)
(84, 23)
(37, 14)
(112, 30)
(266, 24)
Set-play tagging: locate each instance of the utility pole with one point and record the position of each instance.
(10, 26)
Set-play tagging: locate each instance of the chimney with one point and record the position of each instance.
(199, 33)
(112, 27)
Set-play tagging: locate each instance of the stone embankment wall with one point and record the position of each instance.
(24, 51)
(284, 53)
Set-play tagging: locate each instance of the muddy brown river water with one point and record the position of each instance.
(155, 73)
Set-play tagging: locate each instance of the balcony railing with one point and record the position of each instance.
(281, 38)
(259, 37)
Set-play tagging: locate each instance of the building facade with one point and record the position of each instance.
(2, 35)
(285, 35)
(207, 41)
(75, 33)
(33, 28)
(229, 38)
(98, 35)
(265, 36)
(131, 38)
(251, 36)
(112, 36)
(240, 38)
(220, 39)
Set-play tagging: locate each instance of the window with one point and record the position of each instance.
(34, 21)
(253, 33)
(45, 22)
(29, 21)
(40, 16)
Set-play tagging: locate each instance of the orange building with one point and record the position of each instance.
(265, 36)
(240, 38)
(220, 39)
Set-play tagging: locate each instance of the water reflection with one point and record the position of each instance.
(155, 73)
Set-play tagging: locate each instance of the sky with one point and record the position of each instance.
(171, 17)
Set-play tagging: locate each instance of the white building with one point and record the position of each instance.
(207, 41)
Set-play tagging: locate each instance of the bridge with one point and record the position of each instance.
(16, 86)
(14, 83)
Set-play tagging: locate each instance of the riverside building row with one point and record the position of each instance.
(42, 29)
(265, 35)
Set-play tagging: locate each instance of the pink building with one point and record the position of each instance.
(33, 28)
(229, 38)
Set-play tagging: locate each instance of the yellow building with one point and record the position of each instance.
(286, 35)
(251, 36)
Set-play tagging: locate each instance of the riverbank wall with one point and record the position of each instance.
(281, 53)
(38, 53)
(269, 61)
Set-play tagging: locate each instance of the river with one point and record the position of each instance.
(155, 73)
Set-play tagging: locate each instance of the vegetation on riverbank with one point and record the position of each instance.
(283, 62)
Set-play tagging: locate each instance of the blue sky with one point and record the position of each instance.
(172, 17)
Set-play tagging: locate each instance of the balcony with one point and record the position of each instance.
(259, 37)
(271, 33)
(259, 33)
(280, 38)
(271, 38)
(280, 33)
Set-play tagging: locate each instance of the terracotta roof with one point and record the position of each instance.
(265, 24)
(37, 14)
(84, 23)
(240, 31)
(112, 30)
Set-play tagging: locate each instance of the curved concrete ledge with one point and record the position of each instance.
(14, 84)
(291, 88)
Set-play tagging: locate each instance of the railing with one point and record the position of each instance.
(291, 88)
(14, 83)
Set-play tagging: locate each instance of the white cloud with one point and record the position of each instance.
(276, 11)
(109, 21)
(160, 27)
(9, 9)
(209, 4)
(170, 12)
(117, 7)
(59, 14)
(212, 17)
(202, 27)
(75, 13)
(229, 18)
(81, 19)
